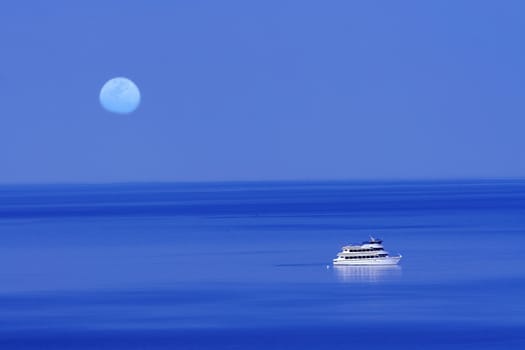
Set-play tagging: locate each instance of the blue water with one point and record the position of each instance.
(247, 266)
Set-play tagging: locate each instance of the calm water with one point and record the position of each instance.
(247, 266)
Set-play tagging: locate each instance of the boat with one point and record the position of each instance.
(370, 252)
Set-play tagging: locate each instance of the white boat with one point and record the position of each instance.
(370, 252)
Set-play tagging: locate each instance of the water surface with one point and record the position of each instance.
(247, 265)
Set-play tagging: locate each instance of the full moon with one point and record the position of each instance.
(120, 95)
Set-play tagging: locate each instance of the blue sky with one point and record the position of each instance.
(263, 90)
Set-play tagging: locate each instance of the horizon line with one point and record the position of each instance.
(272, 181)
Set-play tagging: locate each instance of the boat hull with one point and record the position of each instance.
(389, 260)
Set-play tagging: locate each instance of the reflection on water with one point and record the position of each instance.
(348, 274)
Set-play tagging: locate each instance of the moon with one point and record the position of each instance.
(120, 95)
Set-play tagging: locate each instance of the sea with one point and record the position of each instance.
(249, 265)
